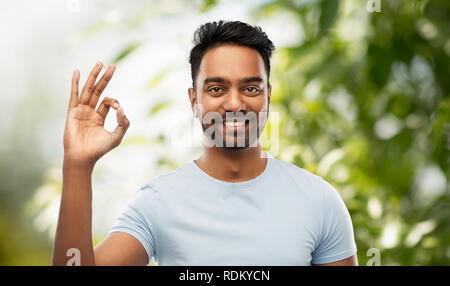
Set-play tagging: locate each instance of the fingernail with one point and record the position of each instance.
(116, 105)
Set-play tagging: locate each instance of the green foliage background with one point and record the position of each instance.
(380, 80)
(363, 101)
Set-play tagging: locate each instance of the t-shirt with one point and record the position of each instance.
(284, 216)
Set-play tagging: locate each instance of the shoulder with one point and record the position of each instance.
(292, 168)
(167, 180)
(310, 184)
(299, 175)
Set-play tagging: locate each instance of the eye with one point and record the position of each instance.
(252, 90)
(215, 90)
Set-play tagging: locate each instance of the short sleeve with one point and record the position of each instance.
(135, 220)
(336, 240)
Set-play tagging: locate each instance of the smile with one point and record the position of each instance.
(234, 123)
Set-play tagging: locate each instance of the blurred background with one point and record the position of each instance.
(362, 99)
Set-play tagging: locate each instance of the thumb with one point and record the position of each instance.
(121, 128)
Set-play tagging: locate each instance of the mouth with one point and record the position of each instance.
(234, 123)
(231, 125)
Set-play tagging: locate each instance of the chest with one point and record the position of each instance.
(235, 229)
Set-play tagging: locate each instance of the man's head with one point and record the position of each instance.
(230, 68)
(213, 34)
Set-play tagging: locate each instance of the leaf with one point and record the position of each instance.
(207, 5)
(156, 79)
(126, 52)
(329, 10)
(94, 29)
(328, 68)
(159, 77)
(159, 107)
(304, 49)
(380, 61)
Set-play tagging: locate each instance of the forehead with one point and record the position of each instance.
(232, 62)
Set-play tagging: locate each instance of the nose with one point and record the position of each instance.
(233, 102)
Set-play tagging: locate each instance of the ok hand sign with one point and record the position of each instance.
(85, 138)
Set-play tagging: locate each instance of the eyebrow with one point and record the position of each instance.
(215, 79)
(251, 79)
(224, 81)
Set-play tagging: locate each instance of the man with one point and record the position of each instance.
(234, 205)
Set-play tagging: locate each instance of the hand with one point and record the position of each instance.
(85, 138)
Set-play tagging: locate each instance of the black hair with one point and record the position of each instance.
(213, 34)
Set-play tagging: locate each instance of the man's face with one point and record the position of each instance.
(232, 82)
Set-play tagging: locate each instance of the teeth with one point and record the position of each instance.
(233, 124)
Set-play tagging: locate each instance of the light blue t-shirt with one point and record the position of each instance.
(285, 216)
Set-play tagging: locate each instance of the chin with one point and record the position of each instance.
(234, 148)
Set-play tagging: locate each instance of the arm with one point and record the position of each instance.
(74, 223)
(74, 227)
(85, 141)
(120, 249)
(336, 244)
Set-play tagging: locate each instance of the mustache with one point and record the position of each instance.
(223, 120)
(215, 118)
(239, 116)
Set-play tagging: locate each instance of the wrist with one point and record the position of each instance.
(70, 163)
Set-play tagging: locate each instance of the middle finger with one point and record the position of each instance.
(101, 85)
(88, 88)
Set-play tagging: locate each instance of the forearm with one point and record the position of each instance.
(85, 141)
(74, 229)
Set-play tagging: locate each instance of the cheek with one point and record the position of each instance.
(257, 104)
(210, 104)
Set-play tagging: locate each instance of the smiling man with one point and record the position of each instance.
(234, 205)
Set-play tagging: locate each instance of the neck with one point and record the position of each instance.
(233, 165)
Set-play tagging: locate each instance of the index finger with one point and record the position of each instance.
(73, 101)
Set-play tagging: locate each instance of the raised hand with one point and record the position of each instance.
(85, 138)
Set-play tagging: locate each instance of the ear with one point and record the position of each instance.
(193, 100)
(269, 92)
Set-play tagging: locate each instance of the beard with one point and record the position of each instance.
(222, 137)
